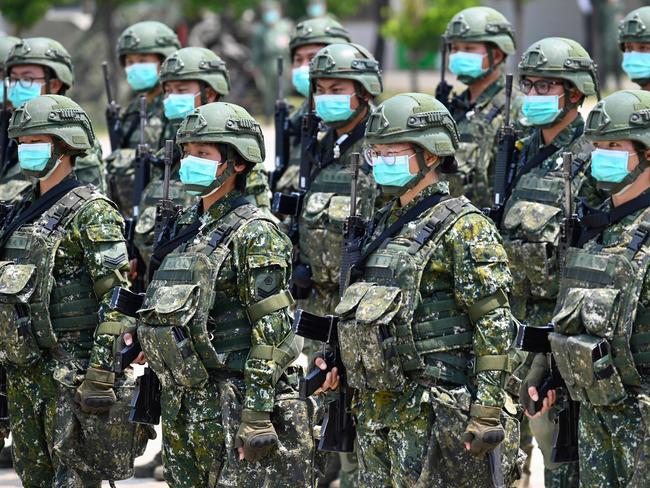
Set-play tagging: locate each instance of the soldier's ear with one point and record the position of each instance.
(574, 95)
(498, 55)
(430, 159)
(56, 86)
(211, 95)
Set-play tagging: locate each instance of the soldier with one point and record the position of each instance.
(556, 75)
(38, 66)
(63, 253)
(600, 340)
(634, 42)
(230, 414)
(479, 40)
(309, 37)
(141, 49)
(425, 327)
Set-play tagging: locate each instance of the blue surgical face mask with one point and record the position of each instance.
(142, 76)
(197, 171)
(19, 94)
(333, 108)
(541, 110)
(466, 64)
(395, 172)
(316, 10)
(609, 166)
(636, 65)
(178, 105)
(300, 80)
(271, 16)
(34, 157)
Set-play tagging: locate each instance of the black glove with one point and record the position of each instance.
(539, 371)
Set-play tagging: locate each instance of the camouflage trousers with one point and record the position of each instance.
(614, 445)
(199, 439)
(414, 439)
(33, 394)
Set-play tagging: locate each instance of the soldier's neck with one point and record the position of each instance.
(152, 94)
(429, 179)
(636, 188)
(353, 123)
(58, 175)
(222, 191)
(478, 87)
(550, 133)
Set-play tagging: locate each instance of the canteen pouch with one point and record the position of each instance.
(587, 367)
(366, 336)
(18, 343)
(169, 346)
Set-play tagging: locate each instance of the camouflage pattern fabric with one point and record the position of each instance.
(478, 125)
(119, 164)
(398, 431)
(260, 255)
(35, 403)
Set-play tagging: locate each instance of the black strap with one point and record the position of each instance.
(39, 207)
(187, 233)
(596, 221)
(409, 216)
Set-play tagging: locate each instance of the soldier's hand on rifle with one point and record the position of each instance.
(528, 394)
(332, 379)
(133, 269)
(128, 340)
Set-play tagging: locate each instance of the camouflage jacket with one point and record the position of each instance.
(532, 215)
(469, 264)
(478, 125)
(259, 265)
(93, 250)
(131, 123)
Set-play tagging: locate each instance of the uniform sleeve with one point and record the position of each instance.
(257, 187)
(480, 269)
(99, 228)
(90, 168)
(263, 261)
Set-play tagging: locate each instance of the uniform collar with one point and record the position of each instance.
(440, 187)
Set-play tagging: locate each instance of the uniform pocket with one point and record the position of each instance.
(173, 305)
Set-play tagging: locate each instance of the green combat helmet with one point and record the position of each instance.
(56, 116)
(224, 123)
(635, 27)
(349, 62)
(421, 120)
(44, 52)
(322, 30)
(622, 116)
(148, 37)
(6, 43)
(200, 64)
(481, 24)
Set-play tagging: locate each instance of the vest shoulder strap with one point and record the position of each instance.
(62, 213)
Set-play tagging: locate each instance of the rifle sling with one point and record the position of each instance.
(354, 136)
(39, 207)
(408, 216)
(595, 223)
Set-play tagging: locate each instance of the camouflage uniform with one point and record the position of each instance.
(633, 28)
(600, 325)
(479, 121)
(58, 273)
(239, 342)
(147, 37)
(414, 398)
(89, 167)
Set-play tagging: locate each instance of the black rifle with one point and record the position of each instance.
(145, 403)
(354, 231)
(113, 120)
(4, 404)
(5, 115)
(338, 431)
(565, 437)
(570, 219)
(506, 162)
(282, 146)
(166, 210)
(443, 90)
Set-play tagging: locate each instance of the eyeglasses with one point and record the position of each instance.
(388, 157)
(542, 87)
(26, 82)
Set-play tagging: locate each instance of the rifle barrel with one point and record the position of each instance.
(169, 156)
(508, 98)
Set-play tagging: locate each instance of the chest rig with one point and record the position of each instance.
(187, 325)
(32, 311)
(326, 207)
(531, 228)
(602, 332)
(388, 331)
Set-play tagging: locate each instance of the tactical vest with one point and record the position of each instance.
(325, 209)
(474, 152)
(601, 333)
(188, 327)
(389, 332)
(531, 228)
(32, 312)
